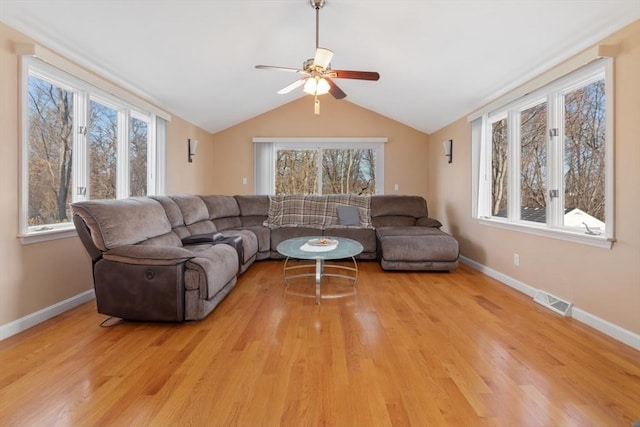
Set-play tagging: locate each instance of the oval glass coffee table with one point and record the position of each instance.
(320, 249)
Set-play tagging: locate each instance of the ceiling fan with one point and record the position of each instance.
(317, 71)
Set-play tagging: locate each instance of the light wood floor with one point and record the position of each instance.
(420, 349)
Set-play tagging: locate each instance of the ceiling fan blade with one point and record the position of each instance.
(358, 75)
(292, 86)
(272, 67)
(334, 90)
(323, 57)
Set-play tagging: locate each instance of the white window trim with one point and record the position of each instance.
(32, 64)
(264, 149)
(481, 161)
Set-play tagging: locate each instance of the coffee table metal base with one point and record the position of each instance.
(291, 272)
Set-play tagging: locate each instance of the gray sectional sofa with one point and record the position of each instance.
(175, 257)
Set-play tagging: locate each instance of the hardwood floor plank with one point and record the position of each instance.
(408, 349)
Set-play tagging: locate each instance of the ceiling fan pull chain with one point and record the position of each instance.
(316, 105)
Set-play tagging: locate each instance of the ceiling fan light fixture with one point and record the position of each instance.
(316, 86)
(323, 58)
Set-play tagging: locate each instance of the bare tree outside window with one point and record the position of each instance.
(348, 171)
(344, 171)
(533, 158)
(499, 168)
(584, 149)
(50, 147)
(138, 140)
(103, 146)
(296, 172)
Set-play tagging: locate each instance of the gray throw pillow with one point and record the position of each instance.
(348, 215)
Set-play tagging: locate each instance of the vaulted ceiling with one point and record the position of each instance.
(438, 59)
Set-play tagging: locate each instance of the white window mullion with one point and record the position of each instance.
(122, 186)
(80, 159)
(609, 149)
(152, 163)
(555, 133)
(160, 147)
(513, 177)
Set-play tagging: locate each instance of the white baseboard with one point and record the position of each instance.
(46, 313)
(614, 331)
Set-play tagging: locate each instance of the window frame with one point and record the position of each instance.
(83, 93)
(553, 94)
(265, 160)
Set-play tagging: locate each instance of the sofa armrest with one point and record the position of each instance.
(428, 222)
(236, 243)
(148, 255)
(202, 238)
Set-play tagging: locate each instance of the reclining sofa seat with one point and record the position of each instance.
(408, 239)
(141, 269)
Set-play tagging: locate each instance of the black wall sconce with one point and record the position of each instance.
(448, 149)
(192, 145)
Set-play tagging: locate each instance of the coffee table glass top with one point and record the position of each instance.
(346, 248)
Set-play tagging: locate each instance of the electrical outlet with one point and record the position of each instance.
(244, 180)
(396, 187)
(516, 260)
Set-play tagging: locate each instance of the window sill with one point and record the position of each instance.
(45, 236)
(585, 239)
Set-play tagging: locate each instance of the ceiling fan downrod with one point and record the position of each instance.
(317, 5)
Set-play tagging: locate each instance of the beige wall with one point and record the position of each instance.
(405, 152)
(605, 283)
(182, 176)
(36, 276)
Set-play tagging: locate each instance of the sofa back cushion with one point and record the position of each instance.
(192, 207)
(114, 223)
(254, 210)
(397, 210)
(223, 211)
(174, 214)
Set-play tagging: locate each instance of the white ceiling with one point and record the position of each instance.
(438, 59)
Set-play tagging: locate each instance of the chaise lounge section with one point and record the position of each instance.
(175, 257)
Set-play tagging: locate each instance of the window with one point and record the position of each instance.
(319, 165)
(545, 159)
(79, 143)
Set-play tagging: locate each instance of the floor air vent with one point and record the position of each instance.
(554, 303)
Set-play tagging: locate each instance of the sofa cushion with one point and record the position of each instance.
(211, 268)
(169, 239)
(171, 209)
(192, 207)
(263, 235)
(253, 205)
(393, 221)
(148, 255)
(417, 244)
(249, 242)
(398, 205)
(428, 222)
(114, 223)
(348, 215)
(201, 227)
